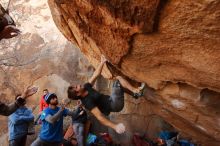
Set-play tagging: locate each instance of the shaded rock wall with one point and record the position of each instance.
(173, 46)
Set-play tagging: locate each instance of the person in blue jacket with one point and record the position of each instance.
(18, 124)
(51, 133)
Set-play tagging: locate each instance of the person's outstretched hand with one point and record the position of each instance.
(103, 59)
(9, 31)
(62, 106)
(120, 128)
(65, 101)
(29, 92)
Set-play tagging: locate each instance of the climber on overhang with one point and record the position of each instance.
(101, 105)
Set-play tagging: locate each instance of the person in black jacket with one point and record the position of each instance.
(78, 119)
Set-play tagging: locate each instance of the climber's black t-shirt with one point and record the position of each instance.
(96, 99)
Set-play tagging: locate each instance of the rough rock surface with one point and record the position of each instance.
(39, 56)
(43, 57)
(173, 46)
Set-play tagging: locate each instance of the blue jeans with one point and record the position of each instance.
(78, 129)
(39, 142)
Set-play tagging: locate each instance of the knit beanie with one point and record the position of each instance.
(49, 96)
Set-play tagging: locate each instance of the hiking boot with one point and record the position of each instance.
(141, 92)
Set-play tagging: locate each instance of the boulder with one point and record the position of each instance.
(172, 46)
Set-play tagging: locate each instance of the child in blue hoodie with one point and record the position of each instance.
(18, 124)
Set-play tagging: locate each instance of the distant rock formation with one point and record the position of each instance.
(173, 46)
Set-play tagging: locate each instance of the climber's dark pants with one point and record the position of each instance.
(117, 97)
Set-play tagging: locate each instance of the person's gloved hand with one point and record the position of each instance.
(120, 128)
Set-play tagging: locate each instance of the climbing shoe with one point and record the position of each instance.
(141, 92)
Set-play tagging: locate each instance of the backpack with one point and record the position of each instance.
(139, 141)
(104, 140)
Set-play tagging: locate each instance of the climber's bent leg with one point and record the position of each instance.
(125, 84)
(137, 91)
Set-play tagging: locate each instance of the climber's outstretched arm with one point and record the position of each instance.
(119, 128)
(97, 71)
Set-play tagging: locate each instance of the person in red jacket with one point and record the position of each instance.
(43, 103)
(42, 106)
